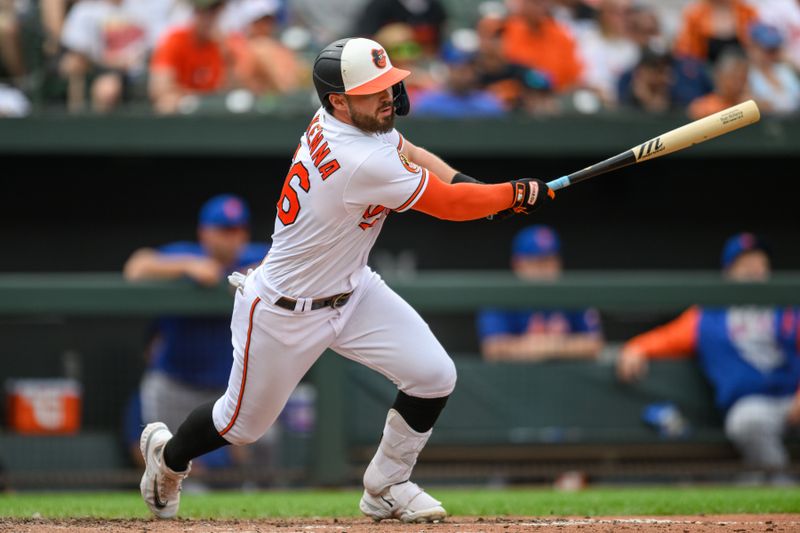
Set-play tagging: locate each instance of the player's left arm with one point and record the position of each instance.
(426, 159)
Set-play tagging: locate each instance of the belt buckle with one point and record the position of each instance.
(340, 300)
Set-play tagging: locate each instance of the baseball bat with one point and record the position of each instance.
(706, 128)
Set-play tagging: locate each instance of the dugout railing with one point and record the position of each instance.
(505, 421)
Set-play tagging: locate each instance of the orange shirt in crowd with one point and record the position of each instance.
(551, 49)
(198, 65)
(696, 30)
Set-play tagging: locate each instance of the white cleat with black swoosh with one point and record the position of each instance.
(160, 486)
(405, 502)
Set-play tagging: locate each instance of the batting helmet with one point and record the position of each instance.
(359, 66)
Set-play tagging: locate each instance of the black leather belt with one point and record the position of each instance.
(332, 301)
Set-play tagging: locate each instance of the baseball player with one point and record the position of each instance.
(314, 290)
(536, 334)
(750, 355)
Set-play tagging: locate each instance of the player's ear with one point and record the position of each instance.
(338, 101)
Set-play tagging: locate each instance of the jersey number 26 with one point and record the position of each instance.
(289, 202)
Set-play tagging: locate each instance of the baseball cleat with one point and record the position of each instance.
(160, 486)
(404, 501)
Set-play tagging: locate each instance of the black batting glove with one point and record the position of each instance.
(530, 194)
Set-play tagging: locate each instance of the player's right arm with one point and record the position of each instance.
(150, 264)
(674, 339)
(472, 201)
(386, 177)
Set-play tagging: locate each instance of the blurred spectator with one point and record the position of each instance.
(262, 63)
(237, 15)
(534, 39)
(327, 21)
(532, 335)
(644, 27)
(661, 82)
(13, 102)
(11, 57)
(190, 359)
(160, 16)
(538, 97)
(606, 49)
(784, 15)
(748, 354)
(730, 86)
(460, 97)
(104, 39)
(571, 11)
(773, 83)
(426, 18)
(711, 26)
(668, 12)
(190, 61)
(52, 14)
(503, 79)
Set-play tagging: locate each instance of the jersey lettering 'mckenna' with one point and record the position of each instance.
(341, 186)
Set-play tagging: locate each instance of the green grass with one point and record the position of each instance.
(459, 502)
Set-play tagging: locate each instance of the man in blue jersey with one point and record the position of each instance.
(190, 357)
(749, 354)
(536, 334)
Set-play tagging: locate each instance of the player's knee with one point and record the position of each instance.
(439, 380)
(746, 424)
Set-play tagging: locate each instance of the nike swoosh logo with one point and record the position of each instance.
(157, 500)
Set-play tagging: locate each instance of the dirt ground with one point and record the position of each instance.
(785, 523)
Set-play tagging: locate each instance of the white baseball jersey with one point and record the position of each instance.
(341, 186)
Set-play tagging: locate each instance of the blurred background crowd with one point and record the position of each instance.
(468, 57)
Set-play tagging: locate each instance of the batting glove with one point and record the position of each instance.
(530, 194)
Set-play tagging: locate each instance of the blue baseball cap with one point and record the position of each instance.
(765, 35)
(740, 244)
(224, 210)
(535, 241)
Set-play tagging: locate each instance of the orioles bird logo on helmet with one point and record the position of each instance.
(379, 57)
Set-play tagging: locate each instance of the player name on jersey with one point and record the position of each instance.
(319, 150)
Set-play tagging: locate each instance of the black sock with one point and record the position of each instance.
(419, 413)
(196, 436)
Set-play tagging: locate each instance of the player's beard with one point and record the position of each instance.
(372, 123)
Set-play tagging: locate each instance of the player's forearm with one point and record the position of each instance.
(579, 346)
(431, 161)
(146, 264)
(464, 201)
(534, 347)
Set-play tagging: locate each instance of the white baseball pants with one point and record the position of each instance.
(273, 348)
